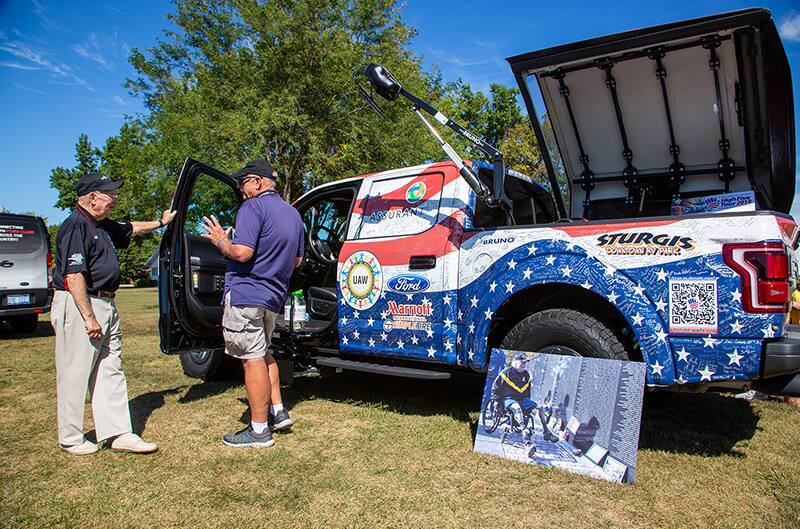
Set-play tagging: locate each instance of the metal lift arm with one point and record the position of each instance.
(387, 87)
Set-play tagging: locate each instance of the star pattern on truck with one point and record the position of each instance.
(462, 315)
(735, 357)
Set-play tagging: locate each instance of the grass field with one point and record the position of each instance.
(368, 451)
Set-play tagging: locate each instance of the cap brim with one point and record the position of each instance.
(110, 186)
(238, 175)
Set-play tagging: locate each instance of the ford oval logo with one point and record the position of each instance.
(407, 283)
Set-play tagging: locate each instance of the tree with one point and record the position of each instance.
(88, 160)
(521, 153)
(491, 117)
(125, 157)
(242, 79)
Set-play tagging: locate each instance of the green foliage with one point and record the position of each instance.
(88, 160)
(489, 117)
(210, 197)
(52, 231)
(241, 79)
(132, 258)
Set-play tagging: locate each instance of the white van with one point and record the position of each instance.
(25, 262)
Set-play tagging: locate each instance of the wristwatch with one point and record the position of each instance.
(161, 223)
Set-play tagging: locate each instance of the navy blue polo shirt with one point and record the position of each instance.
(85, 245)
(274, 230)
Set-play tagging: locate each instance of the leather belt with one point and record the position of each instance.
(105, 294)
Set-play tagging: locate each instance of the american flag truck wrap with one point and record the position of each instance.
(698, 297)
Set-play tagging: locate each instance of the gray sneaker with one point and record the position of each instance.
(248, 437)
(280, 421)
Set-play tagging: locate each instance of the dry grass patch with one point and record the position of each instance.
(368, 451)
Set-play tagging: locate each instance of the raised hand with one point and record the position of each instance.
(214, 231)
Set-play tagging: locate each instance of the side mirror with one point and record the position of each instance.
(383, 82)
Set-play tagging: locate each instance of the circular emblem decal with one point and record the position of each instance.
(415, 192)
(361, 280)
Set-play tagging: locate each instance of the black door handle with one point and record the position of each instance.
(422, 262)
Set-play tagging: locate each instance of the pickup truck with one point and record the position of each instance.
(421, 271)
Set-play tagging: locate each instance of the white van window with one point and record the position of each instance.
(20, 235)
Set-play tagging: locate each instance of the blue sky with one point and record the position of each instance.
(62, 64)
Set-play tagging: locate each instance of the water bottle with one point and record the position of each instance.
(300, 313)
(287, 308)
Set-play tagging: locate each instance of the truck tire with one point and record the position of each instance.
(565, 331)
(209, 365)
(25, 324)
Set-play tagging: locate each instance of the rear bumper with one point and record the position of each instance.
(40, 302)
(782, 357)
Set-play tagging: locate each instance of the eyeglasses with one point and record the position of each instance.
(114, 196)
(243, 181)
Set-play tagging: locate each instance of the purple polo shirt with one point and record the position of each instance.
(274, 229)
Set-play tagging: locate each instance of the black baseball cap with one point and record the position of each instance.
(259, 167)
(522, 357)
(95, 182)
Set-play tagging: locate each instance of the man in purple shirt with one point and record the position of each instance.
(266, 248)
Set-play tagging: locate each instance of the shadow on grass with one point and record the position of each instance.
(708, 424)
(456, 397)
(143, 406)
(203, 390)
(43, 330)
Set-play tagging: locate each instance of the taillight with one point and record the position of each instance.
(763, 268)
(49, 269)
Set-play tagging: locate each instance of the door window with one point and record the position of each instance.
(330, 212)
(210, 196)
(401, 206)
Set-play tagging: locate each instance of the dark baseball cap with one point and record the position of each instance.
(95, 182)
(522, 357)
(259, 167)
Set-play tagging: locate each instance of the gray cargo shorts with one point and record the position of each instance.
(247, 330)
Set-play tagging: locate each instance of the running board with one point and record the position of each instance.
(380, 369)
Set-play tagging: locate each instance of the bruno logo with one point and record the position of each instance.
(408, 283)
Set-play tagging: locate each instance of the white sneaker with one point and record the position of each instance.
(83, 449)
(130, 442)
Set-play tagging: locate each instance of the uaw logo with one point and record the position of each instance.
(408, 283)
(416, 192)
(361, 280)
(644, 243)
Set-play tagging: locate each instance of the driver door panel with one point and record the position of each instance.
(206, 279)
(191, 269)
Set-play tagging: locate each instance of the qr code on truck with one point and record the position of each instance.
(693, 306)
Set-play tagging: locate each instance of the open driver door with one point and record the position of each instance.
(191, 270)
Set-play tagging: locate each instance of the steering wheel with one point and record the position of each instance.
(325, 251)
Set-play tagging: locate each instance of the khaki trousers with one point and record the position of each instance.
(96, 366)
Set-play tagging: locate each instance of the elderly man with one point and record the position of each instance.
(267, 247)
(86, 323)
